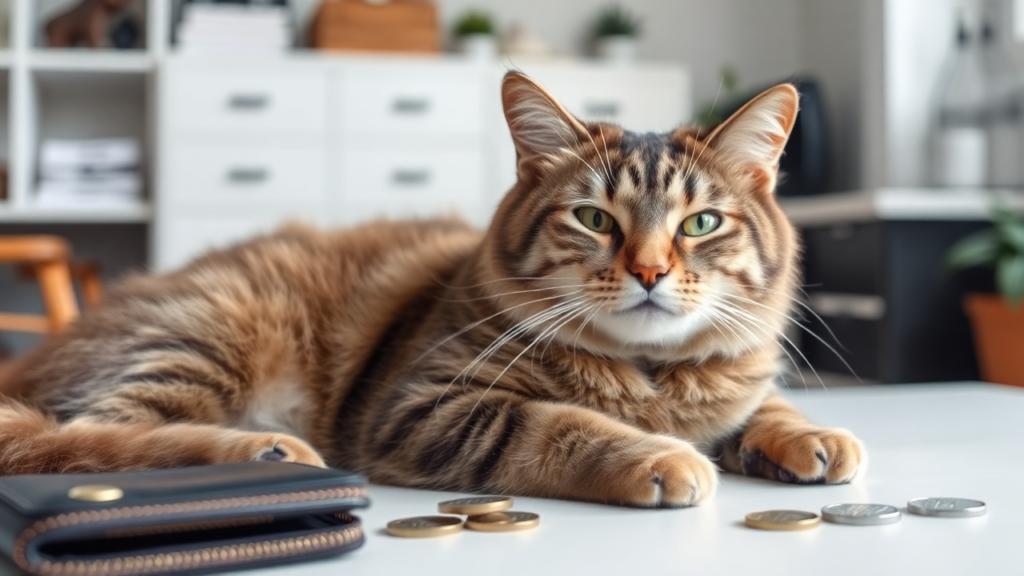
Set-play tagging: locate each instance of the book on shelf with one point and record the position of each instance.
(235, 27)
(101, 173)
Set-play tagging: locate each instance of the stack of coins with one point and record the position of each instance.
(485, 514)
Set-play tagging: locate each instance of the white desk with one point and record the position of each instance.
(962, 440)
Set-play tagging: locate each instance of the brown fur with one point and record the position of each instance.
(426, 354)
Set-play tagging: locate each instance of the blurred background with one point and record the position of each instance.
(139, 133)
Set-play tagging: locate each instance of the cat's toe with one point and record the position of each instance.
(255, 446)
(817, 456)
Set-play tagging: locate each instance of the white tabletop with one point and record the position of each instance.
(961, 440)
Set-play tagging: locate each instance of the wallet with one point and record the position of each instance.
(179, 521)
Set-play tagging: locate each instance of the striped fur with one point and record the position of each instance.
(527, 360)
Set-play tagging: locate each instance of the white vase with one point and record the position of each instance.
(617, 49)
(479, 47)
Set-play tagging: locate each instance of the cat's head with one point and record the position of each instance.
(650, 244)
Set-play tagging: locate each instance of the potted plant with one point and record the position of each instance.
(615, 34)
(997, 320)
(475, 35)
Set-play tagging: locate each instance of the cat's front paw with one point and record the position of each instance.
(803, 455)
(252, 446)
(662, 473)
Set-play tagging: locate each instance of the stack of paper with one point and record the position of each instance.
(89, 173)
(240, 26)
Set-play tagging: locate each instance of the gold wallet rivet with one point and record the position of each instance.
(95, 493)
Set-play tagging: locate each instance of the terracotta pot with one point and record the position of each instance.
(998, 338)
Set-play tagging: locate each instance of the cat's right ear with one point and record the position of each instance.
(540, 126)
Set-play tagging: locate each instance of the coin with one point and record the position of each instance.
(783, 520)
(861, 514)
(425, 526)
(475, 505)
(946, 507)
(507, 521)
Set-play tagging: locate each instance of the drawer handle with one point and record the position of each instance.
(410, 106)
(248, 101)
(601, 109)
(248, 175)
(410, 177)
(840, 305)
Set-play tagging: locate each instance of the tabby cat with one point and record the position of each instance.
(613, 337)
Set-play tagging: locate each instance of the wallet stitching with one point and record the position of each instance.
(40, 527)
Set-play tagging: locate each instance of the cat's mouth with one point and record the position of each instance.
(645, 307)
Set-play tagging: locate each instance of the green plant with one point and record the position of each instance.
(614, 20)
(474, 22)
(1000, 247)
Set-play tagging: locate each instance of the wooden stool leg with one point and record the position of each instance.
(55, 283)
(92, 286)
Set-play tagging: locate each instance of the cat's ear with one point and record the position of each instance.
(540, 126)
(753, 138)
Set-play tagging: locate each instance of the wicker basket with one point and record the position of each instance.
(395, 26)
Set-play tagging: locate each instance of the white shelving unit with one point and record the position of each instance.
(73, 93)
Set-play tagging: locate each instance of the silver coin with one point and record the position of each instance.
(946, 507)
(861, 514)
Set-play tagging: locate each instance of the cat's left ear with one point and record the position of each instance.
(754, 137)
(540, 126)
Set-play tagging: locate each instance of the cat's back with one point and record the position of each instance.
(299, 297)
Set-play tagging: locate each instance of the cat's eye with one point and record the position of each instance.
(700, 224)
(596, 219)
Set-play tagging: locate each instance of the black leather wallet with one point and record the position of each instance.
(179, 521)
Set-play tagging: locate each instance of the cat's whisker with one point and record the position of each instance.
(513, 332)
(559, 320)
(727, 318)
(758, 321)
(481, 321)
(608, 157)
(802, 327)
(801, 304)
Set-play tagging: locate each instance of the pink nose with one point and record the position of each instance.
(648, 275)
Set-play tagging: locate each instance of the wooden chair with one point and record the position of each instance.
(47, 260)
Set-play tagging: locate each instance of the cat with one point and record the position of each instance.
(612, 337)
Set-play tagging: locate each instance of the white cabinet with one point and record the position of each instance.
(246, 144)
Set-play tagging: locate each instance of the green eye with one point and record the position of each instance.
(596, 220)
(700, 224)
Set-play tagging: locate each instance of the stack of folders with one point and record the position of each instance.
(90, 173)
(235, 27)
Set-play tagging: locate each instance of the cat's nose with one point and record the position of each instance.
(648, 275)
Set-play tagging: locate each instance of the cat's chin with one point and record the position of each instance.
(648, 324)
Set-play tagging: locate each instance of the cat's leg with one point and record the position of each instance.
(780, 444)
(500, 442)
(32, 443)
(165, 407)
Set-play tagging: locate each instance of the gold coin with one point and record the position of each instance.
(425, 526)
(783, 520)
(95, 493)
(507, 521)
(475, 506)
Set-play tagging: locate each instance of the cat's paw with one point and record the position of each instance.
(662, 473)
(804, 455)
(275, 447)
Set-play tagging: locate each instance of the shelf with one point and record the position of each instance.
(128, 61)
(899, 204)
(31, 214)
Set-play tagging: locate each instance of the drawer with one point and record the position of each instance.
(228, 176)
(246, 103)
(449, 102)
(410, 183)
(182, 239)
